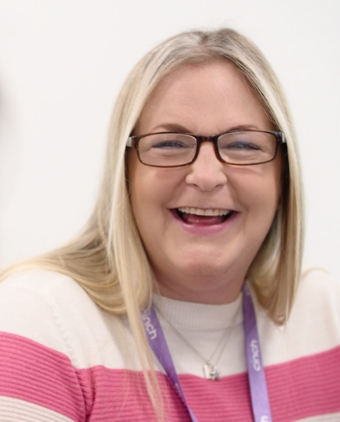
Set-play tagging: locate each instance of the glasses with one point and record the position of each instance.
(242, 148)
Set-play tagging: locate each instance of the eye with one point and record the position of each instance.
(241, 146)
(169, 145)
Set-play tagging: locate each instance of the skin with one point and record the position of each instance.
(195, 262)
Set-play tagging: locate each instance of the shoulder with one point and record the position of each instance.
(319, 277)
(44, 283)
(57, 346)
(39, 349)
(49, 308)
(314, 321)
(313, 325)
(54, 311)
(318, 289)
(34, 294)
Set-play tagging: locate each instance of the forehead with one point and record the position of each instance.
(215, 92)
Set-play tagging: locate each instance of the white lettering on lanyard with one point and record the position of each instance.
(255, 359)
(149, 328)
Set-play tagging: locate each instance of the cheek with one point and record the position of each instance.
(151, 191)
(259, 189)
(152, 187)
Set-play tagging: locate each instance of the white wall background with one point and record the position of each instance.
(63, 61)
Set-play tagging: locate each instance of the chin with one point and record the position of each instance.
(203, 268)
(214, 265)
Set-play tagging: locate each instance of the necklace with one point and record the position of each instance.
(256, 374)
(210, 370)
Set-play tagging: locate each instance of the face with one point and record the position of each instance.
(195, 257)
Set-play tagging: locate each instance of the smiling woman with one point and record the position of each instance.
(194, 257)
(182, 299)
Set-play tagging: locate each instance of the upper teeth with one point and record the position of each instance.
(199, 211)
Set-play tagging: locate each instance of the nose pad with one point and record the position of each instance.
(210, 141)
(207, 171)
(207, 150)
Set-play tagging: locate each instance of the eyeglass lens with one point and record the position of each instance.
(174, 149)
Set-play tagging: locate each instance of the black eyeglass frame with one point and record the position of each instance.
(133, 142)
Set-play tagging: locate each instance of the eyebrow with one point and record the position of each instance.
(174, 127)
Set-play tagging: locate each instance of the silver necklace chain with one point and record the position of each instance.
(210, 370)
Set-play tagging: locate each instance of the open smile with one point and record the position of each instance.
(203, 216)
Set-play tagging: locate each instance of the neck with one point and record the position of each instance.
(204, 290)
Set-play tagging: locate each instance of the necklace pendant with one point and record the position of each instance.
(210, 372)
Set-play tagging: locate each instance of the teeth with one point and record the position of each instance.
(198, 211)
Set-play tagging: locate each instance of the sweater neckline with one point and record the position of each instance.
(196, 316)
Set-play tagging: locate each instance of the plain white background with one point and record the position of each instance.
(62, 63)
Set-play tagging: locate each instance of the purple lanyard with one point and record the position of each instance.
(256, 375)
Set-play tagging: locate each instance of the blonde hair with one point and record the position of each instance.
(108, 260)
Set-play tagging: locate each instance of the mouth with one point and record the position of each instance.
(203, 216)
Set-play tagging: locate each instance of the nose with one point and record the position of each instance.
(207, 172)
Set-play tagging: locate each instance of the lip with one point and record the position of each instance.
(204, 229)
(202, 211)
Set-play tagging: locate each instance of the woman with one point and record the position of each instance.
(149, 313)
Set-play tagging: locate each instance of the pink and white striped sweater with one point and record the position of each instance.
(63, 359)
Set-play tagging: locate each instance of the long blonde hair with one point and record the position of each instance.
(108, 260)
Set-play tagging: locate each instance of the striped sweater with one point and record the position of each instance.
(63, 359)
